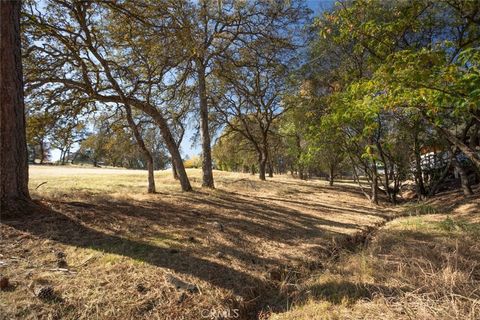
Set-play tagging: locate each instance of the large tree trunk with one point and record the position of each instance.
(146, 153)
(174, 171)
(151, 175)
(268, 160)
(270, 169)
(42, 152)
(262, 163)
(332, 175)
(206, 147)
(63, 157)
(13, 147)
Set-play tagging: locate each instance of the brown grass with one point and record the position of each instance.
(122, 243)
(418, 267)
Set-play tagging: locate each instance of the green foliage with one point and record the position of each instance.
(459, 225)
(391, 74)
(193, 162)
(420, 209)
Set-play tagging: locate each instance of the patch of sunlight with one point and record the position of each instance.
(163, 241)
(413, 223)
(110, 259)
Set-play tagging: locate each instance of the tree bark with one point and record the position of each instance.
(262, 163)
(146, 153)
(205, 133)
(174, 172)
(332, 174)
(13, 147)
(270, 169)
(63, 156)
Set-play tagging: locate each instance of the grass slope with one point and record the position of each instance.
(248, 246)
(417, 267)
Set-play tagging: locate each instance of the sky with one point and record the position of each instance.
(189, 149)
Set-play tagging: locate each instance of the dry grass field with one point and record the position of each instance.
(283, 248)
(423, 266)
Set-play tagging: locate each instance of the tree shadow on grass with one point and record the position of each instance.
(123, 227)
(247, 216)
(56, 226)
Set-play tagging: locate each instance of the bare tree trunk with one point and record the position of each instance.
(262, 163)
(299, 156)
(206, 147)
(270, 169)
(151, 175)
(332, 175)
(13, 147)
(64, 155)
(387, 172)
(174, 171)
(146, 153)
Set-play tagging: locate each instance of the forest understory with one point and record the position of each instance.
(102, 248)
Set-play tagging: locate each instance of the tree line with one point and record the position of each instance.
(382, 91)
(389, 92)
(160, 61)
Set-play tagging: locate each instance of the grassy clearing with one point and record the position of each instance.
(247, 246)
(416, 267)
(280, 249)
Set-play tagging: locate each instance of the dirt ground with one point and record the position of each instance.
(240, 251)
